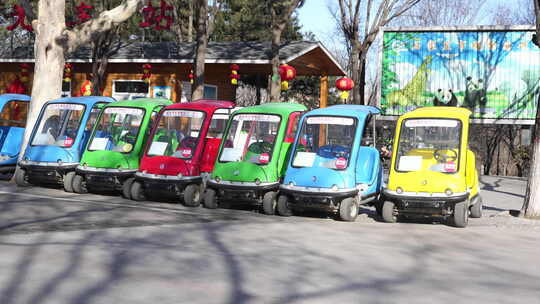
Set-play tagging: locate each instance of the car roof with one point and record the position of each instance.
(273, 108)
(439, 112)
(203, 104)
(146, 103)
(4, 98)
(86, 100)
(358, 111)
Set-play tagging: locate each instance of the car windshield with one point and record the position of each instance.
(251, 138)
(117, 129)
(429, 144)
(13, 114)
(325, 141)
(177, 134)
(59, 125)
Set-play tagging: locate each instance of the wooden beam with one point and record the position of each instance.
(323, 100)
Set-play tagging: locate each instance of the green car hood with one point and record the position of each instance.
(244, 172)
(110, 159)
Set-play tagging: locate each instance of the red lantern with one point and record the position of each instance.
(163, 9)
(16, 87)
(147, 72)
(191, 76)
(25, 74)
(68, 67)
(148, 15)
(287, 73)
(344, 84)
(234, 74)
(20, 14)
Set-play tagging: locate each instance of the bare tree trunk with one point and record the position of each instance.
(190, 22)
(355, 72)
(531, 205)
(275, 80)
(197, 90)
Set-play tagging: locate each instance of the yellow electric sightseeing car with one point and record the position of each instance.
(433, 171)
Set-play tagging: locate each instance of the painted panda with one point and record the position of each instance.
(445, 98)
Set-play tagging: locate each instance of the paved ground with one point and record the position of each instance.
(63, 248)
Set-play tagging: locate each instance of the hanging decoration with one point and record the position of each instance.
(82, 14)
(344, 84)
(17, 87)
(68, 67)
(191, 76)
(159, 17)
(234, 74)
(20, 15)
(147, 72)
(287, 73)
(25, 72)
(86, 88)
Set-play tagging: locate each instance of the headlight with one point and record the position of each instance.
(179, 175)
(218, 179)
(257, 181)
(335, 188)
(145, 171)
(291, 184)
(119, 168)
(362, 187)
(448, 192)
(399, 190)
(59, 161)
(85, 165)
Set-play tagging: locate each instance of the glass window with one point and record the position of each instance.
(251, 138)
(14, 114)
(293, 126)
(325, 141)
(217, 126)
(59, 125)
(429, 144)
(117, 129)
(134, 86)
(210, 92)
(91, 122)
(177, 134)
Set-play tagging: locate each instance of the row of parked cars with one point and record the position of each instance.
(276, 155)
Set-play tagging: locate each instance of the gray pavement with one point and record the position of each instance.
(57, 247)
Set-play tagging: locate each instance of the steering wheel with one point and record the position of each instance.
(444, 157)
(260, 147)
(188, 142)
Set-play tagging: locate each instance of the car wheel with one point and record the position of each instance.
(192, 195)
(137, 191)
(21, 178)
(348, 210)
(210, 199)
(461, 215)
(476, 209)
(126, 187)
(378, 207)
(68, 181)
(389, 212)
(283, 206)
(79, 184)
(270, 202)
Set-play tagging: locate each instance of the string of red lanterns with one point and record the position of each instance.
(234, 76)
(344, 84)
(147, 72)
(287, 73)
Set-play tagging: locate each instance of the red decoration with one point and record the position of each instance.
(16, 87)
(287, 73)
(341, 163)
(20, 14)
(234, 74)
(163, 21)
(191, 76)
(82, 14)
(25, 74)
(147, 72)
(344, 84)
(86, 88)
(68, 67)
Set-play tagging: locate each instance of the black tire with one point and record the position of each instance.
(283, 207)
(193, 195)
(348, 209)
(476, 209)
(68, 181)
(210, 199)
(21, 178)
(137, 191)
(461, 215)
(126, 187)
(389, 212)
(269, 203)
(79, 184)
(378, 207)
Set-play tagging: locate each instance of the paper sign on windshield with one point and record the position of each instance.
(231, 154)
(99, 143)
(177, 113)
(414, 123)
(319, 120)
(66, 106)
(158, 148)
(410, 163)
(257, 117)
(304, 159)
(127, 111)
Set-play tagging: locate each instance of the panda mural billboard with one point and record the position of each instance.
(493, 71)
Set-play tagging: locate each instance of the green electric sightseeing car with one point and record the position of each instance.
(116, 146)
(253, 155)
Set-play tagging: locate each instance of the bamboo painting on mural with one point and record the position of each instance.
(496, 74)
